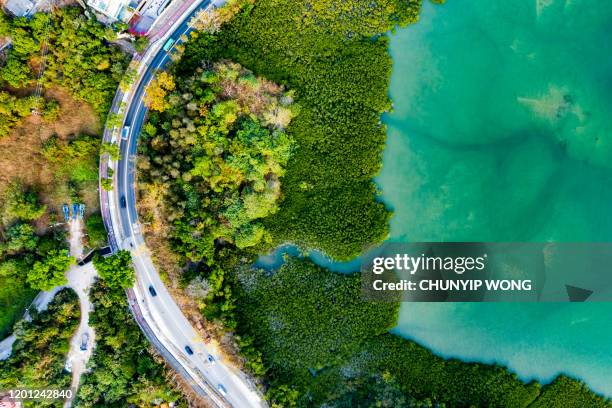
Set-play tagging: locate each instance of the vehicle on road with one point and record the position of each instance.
(122, 202)
(168, 44)
(211, 359)
(84, 340)
(125, 132)
(152, 291)
(189, 350)
(75, 211)
(68, 365)
(222, 389)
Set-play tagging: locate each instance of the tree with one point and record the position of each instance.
(107, 184)
(49, 272)
(116, 270)
(39, 352)
(111, 149)
(79, 58)
(155, 95)
(140, 44)
(22, 204)
(15, 73)
(128, 77)
(51, 110)
(21, 237)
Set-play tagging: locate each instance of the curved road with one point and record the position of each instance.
(224, 385)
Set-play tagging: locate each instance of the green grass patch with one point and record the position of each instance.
(15, 296)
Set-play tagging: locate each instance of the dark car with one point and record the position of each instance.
(84, 340)
(152, 291)
(211, 359)
(122, 202)
(189, 350)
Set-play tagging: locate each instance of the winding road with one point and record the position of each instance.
(157, 314)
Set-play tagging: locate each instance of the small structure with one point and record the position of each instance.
(66, 210)
(75, 211)
(115, 10)
(18, 8)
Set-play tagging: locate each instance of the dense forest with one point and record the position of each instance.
(215, 148)
(322, 345)
(39, 353)
(212, 155)
(29, 260)
(333, 55)
(80, 57)
(123, 370)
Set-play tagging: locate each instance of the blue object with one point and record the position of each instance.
(66, 210)
(75, 211)
(81, 210)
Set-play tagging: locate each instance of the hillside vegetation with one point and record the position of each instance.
(39, 353)
(80, 57)
(333, 56)
(215, 149)
(51, 158)
(30, 260)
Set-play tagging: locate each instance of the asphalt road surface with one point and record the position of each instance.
(161, 313)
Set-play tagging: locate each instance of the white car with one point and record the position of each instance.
(125, 132)
(68, 366)
(222, 389)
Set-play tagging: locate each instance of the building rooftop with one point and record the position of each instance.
(115, 9)
(18, 7)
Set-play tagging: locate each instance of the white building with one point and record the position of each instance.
(18, 8)
(115, 10)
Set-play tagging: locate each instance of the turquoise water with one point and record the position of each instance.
(502, 131)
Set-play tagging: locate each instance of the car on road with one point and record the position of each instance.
(211, 359)
(189, 350)
(152, 291)
(125, 132)
(122, 202)
(68, 365)
(84, 340)
(168, 44)
(222, 389)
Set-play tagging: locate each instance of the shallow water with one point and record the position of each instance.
(502, 131)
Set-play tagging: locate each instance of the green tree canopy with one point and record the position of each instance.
(50, 272)
(116, 270)
(21, 237)
(21, 203)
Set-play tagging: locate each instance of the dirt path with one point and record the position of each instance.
(80, 279)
